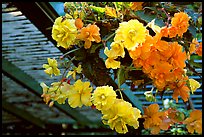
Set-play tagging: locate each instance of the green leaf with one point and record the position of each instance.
(192, 30)
(197, 65)
(121, 74)
(147, 18)
(195, 57)
(98, 9)
(200, 20)
(199, 36)
(94, 47)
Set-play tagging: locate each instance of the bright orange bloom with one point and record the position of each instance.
(89, 34)
(164, 31)
(159, 72)
(135, 54)
(182, 90)
(152, 118)
(199, 49)
(162, 45)
(194, 122)
(180, 21)
(172, 31)
(78, 23)
(136, 5)
(138, 63)
(178, 57)
(143, 50)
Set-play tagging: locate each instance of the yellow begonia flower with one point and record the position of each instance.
(44, 87)
(193, 45)
(111, 63)
(131, 33)
(75, 70)
(62, 92)
(120, 114)
(46, 97)
(103, 97)
(64, 32)
(51, 67)
(116, 50)
(194, 85)
(80, 94)
(110, 11)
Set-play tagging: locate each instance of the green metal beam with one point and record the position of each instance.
(28, 82)
(134, 99)
(21, 113)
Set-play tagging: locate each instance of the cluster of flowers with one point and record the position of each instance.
(162, 61)
(116, 112)
(156, 120)
(68, 32)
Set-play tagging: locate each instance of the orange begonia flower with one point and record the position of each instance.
(182, 90)
(138, 63)
(180, 21)
(89, 34)
(199, 49)
(178, 57)
(172, 31)
(136, 5)
(135, 54)
(164, 31)
(152, 118)
(162, 45)
(143, 50)
(194, 122)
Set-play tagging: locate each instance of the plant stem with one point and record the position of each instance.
(70, 51)
(109, 37)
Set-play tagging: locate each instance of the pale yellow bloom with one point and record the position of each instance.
(121, 114)
(44, 87)
(111, 63)
(51, 67)
(56, 92)
(103, 97)
(116, 50)
(64, 32)
(131, 33)
(193, 45)
(80, 94)
(73, 73)
(62, 93)
(154, 27)
(194, 85)
(110, 11)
